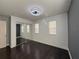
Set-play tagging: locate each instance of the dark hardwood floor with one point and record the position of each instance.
(33, 50)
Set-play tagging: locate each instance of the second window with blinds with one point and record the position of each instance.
(52, 27)
(37, 28)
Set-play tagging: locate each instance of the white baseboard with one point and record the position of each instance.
(70, 54)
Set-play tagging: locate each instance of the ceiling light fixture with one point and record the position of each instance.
(35, 10)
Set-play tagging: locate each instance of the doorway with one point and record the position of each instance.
(2, 34)
(18, 34)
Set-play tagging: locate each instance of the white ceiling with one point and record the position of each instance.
(19, 8)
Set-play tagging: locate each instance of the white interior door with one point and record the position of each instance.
(2, 34)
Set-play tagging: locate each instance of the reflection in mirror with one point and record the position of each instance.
(23, 33)
(28, 28)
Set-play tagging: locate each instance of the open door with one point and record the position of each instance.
(2, 34)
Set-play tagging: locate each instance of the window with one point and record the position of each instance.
(36, 28)
(28, 28)
(52, 27)
(22, 28)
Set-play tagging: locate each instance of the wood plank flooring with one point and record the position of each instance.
(33, 50)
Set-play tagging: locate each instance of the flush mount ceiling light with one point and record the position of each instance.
(35, 10)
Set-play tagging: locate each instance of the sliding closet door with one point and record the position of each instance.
(2, 34)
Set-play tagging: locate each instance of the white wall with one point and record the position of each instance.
(62, 31)
(60, 39)
(14, 21)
